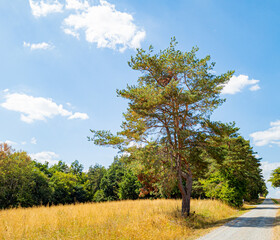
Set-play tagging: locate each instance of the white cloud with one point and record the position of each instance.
(23, 143)
(78, 115)
(135, 144)
(77, 4)
(9, 142)
(100, 23)
(38, 46)
(237, 83)
(269, 136)
(45, 156)
(43, 8)
(71, 32)
(267, 170)
(36, 108)
(104, 25)
(33, 140)
(255, 88)
(6, 90)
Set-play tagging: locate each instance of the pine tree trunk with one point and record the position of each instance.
(185, 192)
(189, 191)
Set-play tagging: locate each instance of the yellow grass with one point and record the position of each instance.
(141, 219)
(276, 229)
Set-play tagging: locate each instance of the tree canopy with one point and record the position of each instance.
(171, 107)
(234, 174)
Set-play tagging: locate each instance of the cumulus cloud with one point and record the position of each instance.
(267, 170)
(269, 136)
(38, 46)
(237, 83)
(45, 156)
(104, 25)
(37, 108)
(100, 23)
(43, 8)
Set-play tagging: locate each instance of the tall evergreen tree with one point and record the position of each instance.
(170, 105)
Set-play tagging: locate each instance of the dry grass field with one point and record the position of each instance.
(276, 230)
(141, 219)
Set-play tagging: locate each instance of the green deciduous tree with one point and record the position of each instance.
(41, 190)
(76, 168)
(21, 183)
(63, 185)
(170, 105)
(275, 178)
(58, 167)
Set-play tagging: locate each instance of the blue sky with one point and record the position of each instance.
(62, 61)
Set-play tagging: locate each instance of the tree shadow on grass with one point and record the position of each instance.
(196, 221)
(199, 221)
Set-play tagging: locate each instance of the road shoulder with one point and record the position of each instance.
(255, 224)
(276, 228)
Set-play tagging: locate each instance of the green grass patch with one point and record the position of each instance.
(276, 201)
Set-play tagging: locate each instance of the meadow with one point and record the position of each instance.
(139, 219)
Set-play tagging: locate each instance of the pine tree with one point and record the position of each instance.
(170, 105)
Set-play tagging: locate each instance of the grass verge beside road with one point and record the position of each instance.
(140, 219)
(255, 202)
(276, 229)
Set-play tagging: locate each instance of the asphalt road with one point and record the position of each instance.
(256, 224)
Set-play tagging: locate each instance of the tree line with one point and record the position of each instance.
(25, 182)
